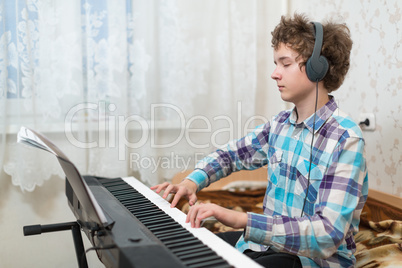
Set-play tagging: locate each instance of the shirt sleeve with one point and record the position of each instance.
(248, 152)
(341, 196)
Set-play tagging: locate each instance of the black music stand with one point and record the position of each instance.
(88, 212)
(76, 231)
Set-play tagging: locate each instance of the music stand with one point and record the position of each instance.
(89, 216)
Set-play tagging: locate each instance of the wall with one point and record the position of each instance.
(374, 82)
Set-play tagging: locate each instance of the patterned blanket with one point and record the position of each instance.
(379, 244)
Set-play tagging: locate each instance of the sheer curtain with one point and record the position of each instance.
(131, 87)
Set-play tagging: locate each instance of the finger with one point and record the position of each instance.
(154, 187)
(192, 214)
(198, 221)
(188, 215)
(197, 216)
(160, 187)
(175, 200)
(180, 192)
(202, 215)
(168, 190)
(192, 200)
(194, 220)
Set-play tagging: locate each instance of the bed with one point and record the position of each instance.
(378, 242)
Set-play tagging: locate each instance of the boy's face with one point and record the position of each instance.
(292, 81)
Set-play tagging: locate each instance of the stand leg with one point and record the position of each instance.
(76, 231)
(79, 246)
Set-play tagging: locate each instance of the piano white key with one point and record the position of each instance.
(223, 249)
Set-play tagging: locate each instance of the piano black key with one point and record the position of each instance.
(210, 257)
(145, 219)
(184, 244)
(137, 203)
(147, 211)
(169, 231)
(180, 241)
(206, 262)
(159, 223)
(119, 194)
(121, 191)
(159, 227)
(137, 208)
(173, 235)
(193, 250)
(157, 217)
(127, 197)
(132, 199)
(201, 253)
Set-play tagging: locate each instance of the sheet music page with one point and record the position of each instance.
(32, 138)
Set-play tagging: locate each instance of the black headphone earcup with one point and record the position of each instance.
(317, 71)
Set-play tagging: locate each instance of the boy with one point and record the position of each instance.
(317, 175)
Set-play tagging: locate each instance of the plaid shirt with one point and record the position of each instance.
(323, 236)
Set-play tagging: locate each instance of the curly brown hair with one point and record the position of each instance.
(297, 33)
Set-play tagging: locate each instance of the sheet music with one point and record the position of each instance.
(32, 138)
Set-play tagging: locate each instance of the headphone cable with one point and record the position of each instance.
(311, 150)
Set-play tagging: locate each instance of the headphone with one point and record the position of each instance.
(316, 68)
(317, 65)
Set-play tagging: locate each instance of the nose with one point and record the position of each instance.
(276, 75)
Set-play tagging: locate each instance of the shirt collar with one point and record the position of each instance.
(322, 115)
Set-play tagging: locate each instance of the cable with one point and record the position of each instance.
(96, 233)
(311, 149)
(95, 248)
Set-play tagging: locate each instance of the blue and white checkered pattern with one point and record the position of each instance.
(323, 236)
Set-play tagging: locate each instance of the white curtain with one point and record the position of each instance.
(131, 87)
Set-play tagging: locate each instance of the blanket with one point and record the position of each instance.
(378, 244)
